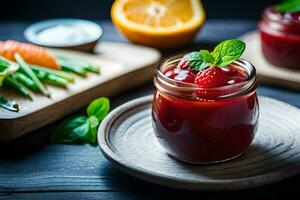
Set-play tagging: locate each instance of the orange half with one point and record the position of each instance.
(158, 23)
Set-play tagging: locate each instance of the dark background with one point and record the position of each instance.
(99, 9)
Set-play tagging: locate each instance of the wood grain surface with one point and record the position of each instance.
(268, 73)
(126, 138)
(123, 66)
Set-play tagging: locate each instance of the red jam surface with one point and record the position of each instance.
(205, 130)
(233, 73)
(280, 38)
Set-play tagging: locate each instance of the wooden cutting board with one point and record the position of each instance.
(122, 65)
(268, 73)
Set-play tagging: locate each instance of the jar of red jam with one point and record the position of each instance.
(280, 37)
(205, 125)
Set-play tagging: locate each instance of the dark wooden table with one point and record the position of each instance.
(32, 168)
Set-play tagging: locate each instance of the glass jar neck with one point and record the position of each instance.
(192, 91)
(278, 21)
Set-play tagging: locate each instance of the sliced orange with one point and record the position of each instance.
(158, 23)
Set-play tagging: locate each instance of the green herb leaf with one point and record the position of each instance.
(196, 61)
(289, 6)
(206, 56)
(83, 129)
(93, 126)
(227, 52)
(78, 130)
(224, 54)
(99, 108)
(9, 105)
(71, 131)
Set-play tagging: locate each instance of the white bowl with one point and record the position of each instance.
(92, 33)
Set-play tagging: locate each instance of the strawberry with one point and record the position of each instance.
(211, 77)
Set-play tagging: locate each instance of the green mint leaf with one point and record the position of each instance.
(99, 108)
(196, 61)
(206, 56)
(289, 6)
(71, 131)
(9, 105)
(227, 52)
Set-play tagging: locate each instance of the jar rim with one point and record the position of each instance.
(269, 14)
(176, 87)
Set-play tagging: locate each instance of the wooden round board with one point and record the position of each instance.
(126, 138)
(268, 73)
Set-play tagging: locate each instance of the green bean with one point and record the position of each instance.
(31, 74)
(78, 70)
(40, 74)
(62, 74)
(67, 65)
(25, 80)
(52, 79)
(80, 63)
(93, 69)
(15, 85)
(56, 80)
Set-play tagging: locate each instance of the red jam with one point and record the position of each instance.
(280, 38)
(205, 125)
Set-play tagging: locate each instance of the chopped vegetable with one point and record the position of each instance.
(15, 85)
(62, 74)
(79, 63)
(6, 68)
(25, 80)
(52, 79)
(9, 105)
(24, 66)
(72, 68)
(31, 53)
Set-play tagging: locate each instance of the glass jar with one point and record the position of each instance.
(280, 38)
(197, 129)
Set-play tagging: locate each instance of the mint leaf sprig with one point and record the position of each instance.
(83, 129)
(223, 54)
(288, 6)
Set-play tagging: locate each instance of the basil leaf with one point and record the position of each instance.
(9, 105)
(228, 51)
(93, 127)
(83, 129)
(78, 130)
(196, 61)
(99, 108)
(289, 6)
(71, 131)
